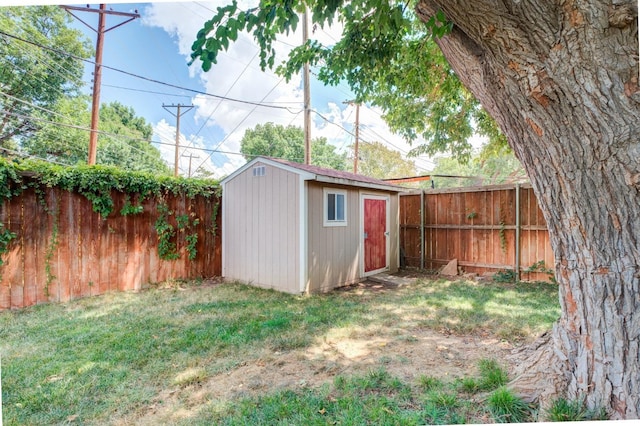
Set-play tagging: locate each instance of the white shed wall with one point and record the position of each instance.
(262, 229)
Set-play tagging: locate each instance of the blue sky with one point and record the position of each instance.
(156, 47)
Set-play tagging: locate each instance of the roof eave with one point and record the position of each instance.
(350, 182)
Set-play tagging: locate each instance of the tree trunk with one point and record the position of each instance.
(561, 79)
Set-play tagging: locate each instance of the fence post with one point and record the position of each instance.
(517, 232)
(421, 229)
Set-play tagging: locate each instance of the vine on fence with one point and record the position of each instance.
(541, 267)
(503, 236)
(5, 238)
(51, 250)
(167, 249)
(97, 184)
(214, 216)
(130, 209)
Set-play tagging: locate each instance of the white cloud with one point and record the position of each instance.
(193, 149)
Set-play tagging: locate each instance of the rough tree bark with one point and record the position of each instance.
(561, 79)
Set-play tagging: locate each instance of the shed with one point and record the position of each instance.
(301, 229)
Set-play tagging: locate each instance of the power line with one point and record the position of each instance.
(146, 91)
(117, 138)
(240, 123)
(72, 126)
(200, 92)
(101, 30)
(178, 114)
(25, 155)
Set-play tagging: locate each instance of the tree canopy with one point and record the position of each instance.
(124, 141)
(31, 80)
(387, 56)
(42, 109)
(275, 140)
(378, 161)
(494, 169)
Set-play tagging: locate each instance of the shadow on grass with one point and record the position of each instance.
(100, 359)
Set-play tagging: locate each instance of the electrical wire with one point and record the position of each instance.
(117, 138)
(200, 92)
(25, 155)
(239, 124)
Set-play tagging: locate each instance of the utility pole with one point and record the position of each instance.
(355, 157)
(191, 157)
(307, 92)
(178, 114)
(357, 142)
(97, 72)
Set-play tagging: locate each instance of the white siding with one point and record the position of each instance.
(333, 252)
(262, 229)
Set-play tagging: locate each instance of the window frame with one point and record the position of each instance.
(325, 207)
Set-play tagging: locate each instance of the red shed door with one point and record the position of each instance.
(375, 234)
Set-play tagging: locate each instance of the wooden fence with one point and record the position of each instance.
(63, 250)
(486, 229)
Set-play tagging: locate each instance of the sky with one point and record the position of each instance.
(154, 51)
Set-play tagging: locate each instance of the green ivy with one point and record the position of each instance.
(214, 216)
(11, 183)
(186, 224)
(541, 267)
(192, 240)
(167, 249)
(51, 250)
(97, 184)
(129, 208)
(5, 238)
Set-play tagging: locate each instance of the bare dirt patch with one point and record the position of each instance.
(406, 351)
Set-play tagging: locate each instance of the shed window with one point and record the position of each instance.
(259, 171)
(335, 207)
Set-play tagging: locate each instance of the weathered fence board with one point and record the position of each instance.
(486, 228)
(63, 250)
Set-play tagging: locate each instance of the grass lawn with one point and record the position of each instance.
(155, 356)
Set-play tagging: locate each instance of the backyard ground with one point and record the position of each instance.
(207, 353)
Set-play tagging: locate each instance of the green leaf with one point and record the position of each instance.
(232, 34)
(212, 45)
(221, 32)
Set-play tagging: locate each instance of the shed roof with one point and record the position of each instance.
(322, 174)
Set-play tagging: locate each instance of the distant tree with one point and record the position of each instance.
(126, 141)
(489, 169)
(31, 78)
(58, 136)
(378, 161)
(275, 140)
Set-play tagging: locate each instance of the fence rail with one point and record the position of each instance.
(485, 228)
(63, 250)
